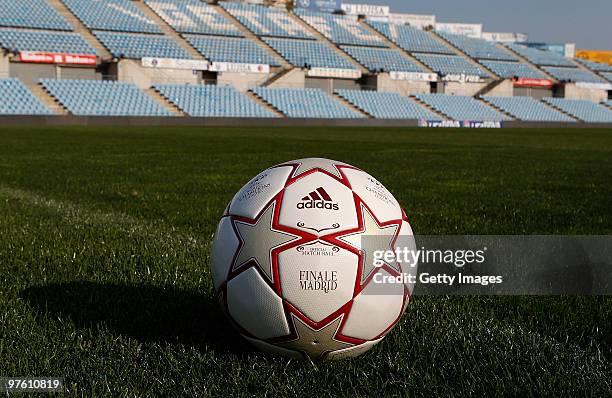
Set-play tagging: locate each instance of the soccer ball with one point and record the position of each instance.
(292, 260)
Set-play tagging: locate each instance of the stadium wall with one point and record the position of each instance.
(4, 65)
(503, 89)
(32, 73)
(132, 71)
(294, 78)
(242, 81)
(386, 84)
(572, 91)
(71, 120)
(469, 89)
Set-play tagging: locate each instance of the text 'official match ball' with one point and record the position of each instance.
(291, 267)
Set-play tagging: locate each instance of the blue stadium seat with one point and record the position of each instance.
(306, 103)
(61, 42)
(267, 21)
(411, 39)
(596, 66)
(528, 109)
(212, 101)
(387, 105)
(582, 109)
(450, 65)
(609, 103)
(459, 107)
(193, 16)
(308, 53)
(31, 14)
(540, 57)
(136, 46)
(381, 59)
(16, 99)
(607, 75)
(340, 29)
(573, 75)
(513, 69)
(116, 15)
(227, 49)
(478, 48)
(103, 98)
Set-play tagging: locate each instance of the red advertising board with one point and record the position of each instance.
(41, 57)
(528, 82)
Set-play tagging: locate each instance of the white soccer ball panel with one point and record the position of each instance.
(375, 195)
(352, 351)
(307, 164)
(317, 278)
(374, 309)
(258, 192)
(318, 202)
(255, 306)
(406, 240)
(224, 247)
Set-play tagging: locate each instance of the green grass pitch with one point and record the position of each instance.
(104, 254)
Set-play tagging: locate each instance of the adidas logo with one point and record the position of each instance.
(318, 199)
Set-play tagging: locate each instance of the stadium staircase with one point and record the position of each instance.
(168, 30)
(429, 108)
(276, 77)
(80, 29)
(394, 46)
(350, 105)
(525, 60)
(561, 110)
(489, 87)
(47, 99)
(265, 104)
(321, 38)
(160, 99)
(463, 54)
(253, 37)
(491, 105)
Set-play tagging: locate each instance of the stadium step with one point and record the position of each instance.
(498, 109)
(47, 99)
(350, 105)
(489, 87)
(429, 108)
(320, 37)
(251, 36)
(276, 77)
(561, 110)
(394, 46)
(265, 104)
(81, 29)
(167, 29)
(163, 101)
(462, 54)
(525, 60)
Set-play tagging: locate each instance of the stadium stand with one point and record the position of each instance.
(136, 45)
(512, 69)
(386, 105)
(340, 29)
(308, 53)
(212, 101)
(540, 57)
(584, 110)
(450, 65)
(36, 14)
(462, 107)
(264, 21)
(572, 75)
(528, 109)
(15, 40)
(193, 16)
(478, 48)
(305, 103)
(596, 66)
(103, 98)
(226, 49)
(115, 15)
(16, 99)
(410, 39)
(381, 59)
(607, 75)
(609, 103)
